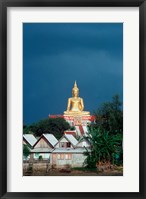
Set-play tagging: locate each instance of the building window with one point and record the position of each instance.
(65, 144)
(62, 144)
(68, 156)
(36, 155)
(61, 156)
(68, 144)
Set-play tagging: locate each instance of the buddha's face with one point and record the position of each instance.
(75, 93)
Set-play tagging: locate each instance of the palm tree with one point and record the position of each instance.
(105, 147)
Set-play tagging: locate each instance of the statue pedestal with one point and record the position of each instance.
(78, 119)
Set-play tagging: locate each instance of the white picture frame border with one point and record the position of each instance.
(129, 16)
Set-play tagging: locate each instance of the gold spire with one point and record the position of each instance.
(75, 87)
(75, 84)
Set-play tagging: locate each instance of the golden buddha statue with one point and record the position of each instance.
(75, 104)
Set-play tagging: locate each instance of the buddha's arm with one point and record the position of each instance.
(82, 105)
(68, 105)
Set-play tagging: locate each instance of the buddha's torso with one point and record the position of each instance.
(75, 104)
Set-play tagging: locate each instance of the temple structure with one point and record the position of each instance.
(75, 114)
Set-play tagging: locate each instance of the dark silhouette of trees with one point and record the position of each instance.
(110, 116)
(55, 126)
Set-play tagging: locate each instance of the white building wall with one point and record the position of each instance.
(42, 144)
(77, 160)
(83, 144)
(62, 140)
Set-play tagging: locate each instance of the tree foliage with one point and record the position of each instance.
(106, 147)
(26, 151)
(110, 116)
(55, 126)
(106, 134)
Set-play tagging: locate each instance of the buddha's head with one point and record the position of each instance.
(75, 90)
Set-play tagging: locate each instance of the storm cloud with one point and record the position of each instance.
(57, 54)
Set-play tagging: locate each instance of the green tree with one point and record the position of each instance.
(55, 126)
(105, 147)
(26, 151)
(72, 128)
(106, 134)
(110, 116)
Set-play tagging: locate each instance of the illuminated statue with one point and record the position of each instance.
(75, 104)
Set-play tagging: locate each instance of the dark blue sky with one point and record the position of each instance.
(57, 54)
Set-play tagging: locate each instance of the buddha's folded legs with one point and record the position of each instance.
(76, 113)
